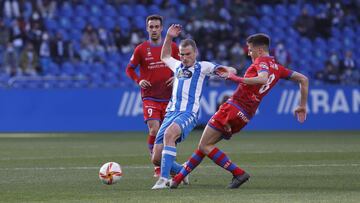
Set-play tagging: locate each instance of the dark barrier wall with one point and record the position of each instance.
(86, 110)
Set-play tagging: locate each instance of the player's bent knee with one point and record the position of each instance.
(204, 148)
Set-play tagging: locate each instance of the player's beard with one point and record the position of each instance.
(154, 37)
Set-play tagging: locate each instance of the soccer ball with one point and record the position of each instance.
(110, 173)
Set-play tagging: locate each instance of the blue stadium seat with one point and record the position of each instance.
(83, 68)
(108, 23)
(96, 80)
(98, 67)
(98, 2)
(65, 23)
(140, 10)
(94, 21)
(139, 22)
(111, 79)
(50, 24)
(75, 35)
(110, 11)
(294, 10)
(124, 23)
(79, 23)
(266, 22)
(334, 44)
(66, 10)
(253, 21)
(267, 10)
(158, 2)
(125, 10)
(81, 11)
(310, 8)
(53, 69)
(349, 32)
(280, 21)
(68, 68)
(280, 9)
(154, 9)
(95, 11)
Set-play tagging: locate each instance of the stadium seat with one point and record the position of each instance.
(79, 23)
(50, 24)
(94, 21)
(53, 69)
(139, 22)
(253, 21)
(280, 9)
(95, 11)
(75, 34)
(158, 2)
(294, 10)
(267, 10)
(140, 10)
(266, 22)
(68, 68)
(65, 23)
(83, 68)
(153, 9)
(66, 10)
(125, 10)
(124, 23)
(81, 11)
(110, 11)
(108, 23)
(280, 21)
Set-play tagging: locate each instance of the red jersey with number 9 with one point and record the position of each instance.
(249, 96)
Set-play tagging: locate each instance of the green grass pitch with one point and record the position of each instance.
(285, 167)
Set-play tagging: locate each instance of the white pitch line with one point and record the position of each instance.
(205, 166)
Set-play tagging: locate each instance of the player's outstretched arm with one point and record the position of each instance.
(300, 111)
(230, 75)
(173, 31)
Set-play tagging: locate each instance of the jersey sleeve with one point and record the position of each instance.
(285, 73)
(209, 67)
(135, 58)
(172, 63)
(175, 51)
(262, 66)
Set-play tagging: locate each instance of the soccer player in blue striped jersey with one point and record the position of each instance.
(182, 110)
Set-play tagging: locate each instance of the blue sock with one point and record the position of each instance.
(176, 167)
(167, 160)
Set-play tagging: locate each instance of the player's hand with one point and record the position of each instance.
(300, 113)
(222, 72)
(144, 84)
(170, 81)
(174, 30)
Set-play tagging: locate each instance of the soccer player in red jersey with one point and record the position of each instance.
(155, 79)
(232, 116)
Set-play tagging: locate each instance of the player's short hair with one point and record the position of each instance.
(188, 42)
(259, 39)
(154, 17)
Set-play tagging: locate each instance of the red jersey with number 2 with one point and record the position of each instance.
(249, 96)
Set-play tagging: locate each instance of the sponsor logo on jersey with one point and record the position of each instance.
(184, 74)
(263, 65)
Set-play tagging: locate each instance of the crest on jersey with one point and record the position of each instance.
(184, 74)
(148, 51)
(263, 65)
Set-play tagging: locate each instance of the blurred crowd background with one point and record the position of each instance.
(88, 43)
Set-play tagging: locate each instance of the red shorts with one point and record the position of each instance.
(154, 110)
(231, 115)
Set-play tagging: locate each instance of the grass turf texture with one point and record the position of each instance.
(285, 167)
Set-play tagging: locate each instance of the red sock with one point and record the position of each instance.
(223, 161)
(151, 141)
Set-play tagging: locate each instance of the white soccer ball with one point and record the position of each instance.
(110, 173)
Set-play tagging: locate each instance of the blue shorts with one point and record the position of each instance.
(186, 120)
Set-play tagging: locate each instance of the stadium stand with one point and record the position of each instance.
(328, 31)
